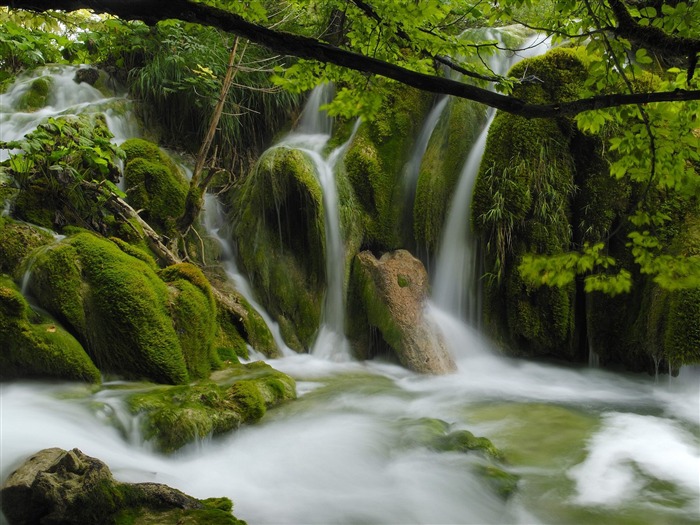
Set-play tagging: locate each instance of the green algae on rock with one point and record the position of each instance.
(280, 233)
(128, 319)
(34, 345)
(238, 394)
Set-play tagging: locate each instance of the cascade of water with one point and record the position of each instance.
(453, 282)
(65, 97)
(311, 137)
(214, 222)
(412, 168)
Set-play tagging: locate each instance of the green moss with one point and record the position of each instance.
(36, 96)
(193, 312)
(522, 204)
(157, 190)
(176, 416)
(17, 241)
(442, 163)
(375, 164)
(135, 251)
(117, 307)
(682, 337)
(34, 345)
(280, 234)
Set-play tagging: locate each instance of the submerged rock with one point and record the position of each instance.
(57, 486)
(393, 292)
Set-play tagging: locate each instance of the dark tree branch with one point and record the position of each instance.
(649, 36)
(152, 11)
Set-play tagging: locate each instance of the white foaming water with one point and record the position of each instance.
(66, 97)
(214, 222)
(454, 287)
(339, 454)
(629, 451)
(311, 137)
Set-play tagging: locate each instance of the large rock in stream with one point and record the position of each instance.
(393, 291)
(60, 487)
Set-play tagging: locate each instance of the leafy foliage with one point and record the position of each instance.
(53, 160)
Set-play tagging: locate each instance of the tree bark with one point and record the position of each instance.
(198, 187)
(152, 11)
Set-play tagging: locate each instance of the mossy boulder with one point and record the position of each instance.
(33, 344)
(375, 163)
(455, 133)
(173, 417)
(154, 184)
(17, 241)
(36, 96)
(279, 230)
(390, 294)
(69, 487)
(130, 321)
(523, 204)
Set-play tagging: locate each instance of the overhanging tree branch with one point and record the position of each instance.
(153, 11)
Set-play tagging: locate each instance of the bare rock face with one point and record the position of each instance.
(394, 291)
(59, 487)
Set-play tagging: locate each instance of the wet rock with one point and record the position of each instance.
(56, 486)
(393, 291)
(89, 75)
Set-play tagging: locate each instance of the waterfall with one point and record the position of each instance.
(214, 223)
(65, 97)
(311, 136)
(455, 271)
(412, 168)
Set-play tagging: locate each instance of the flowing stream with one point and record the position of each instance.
(590, 446)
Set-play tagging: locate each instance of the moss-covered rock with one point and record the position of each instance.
(194, 314)
(17, 241)
(176, 416)
(375, 162)
(36, 96)
(129, 320)
(279, 230)
(454, 135)
(523, 204)
(34, 345)
(154, 184)
(59, 486)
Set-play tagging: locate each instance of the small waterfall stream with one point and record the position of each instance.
(311, 136)
(454, 281)
(66, 97)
